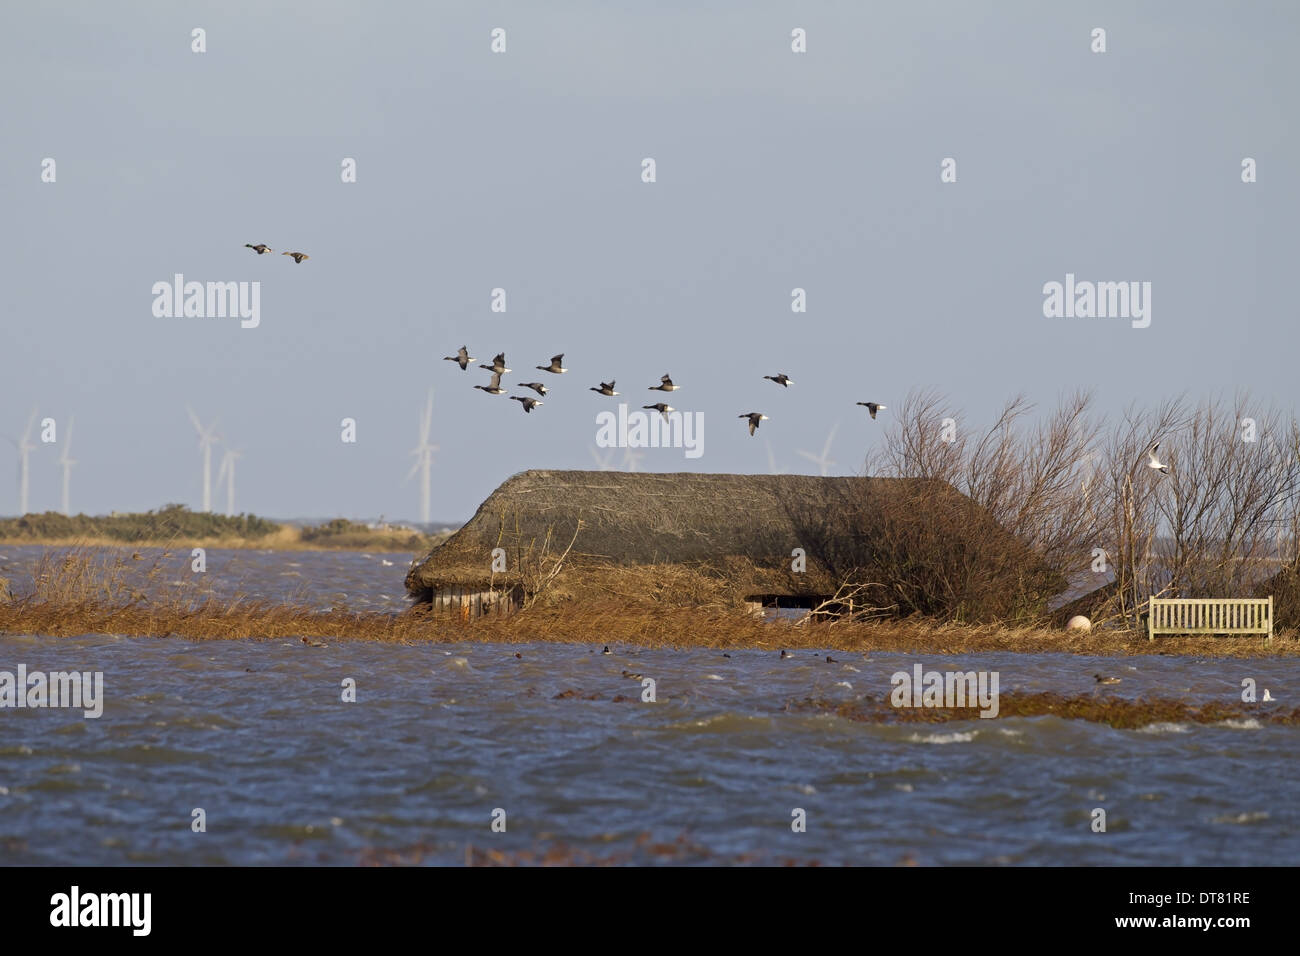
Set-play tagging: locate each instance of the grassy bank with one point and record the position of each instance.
(1118, 712)
(177, 526)
(106, 591)
(238, 620)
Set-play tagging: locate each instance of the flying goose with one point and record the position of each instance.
(661, 408)
(606, 388)
(495, 388)
(528, 403)
(297, 256)
(782, 379)
(461, 358)
(498, 364)
(1154, 462)
(873, 407)
(261, 248)
(555, 365)
(754, 419)
(537, 387)
(665, 385)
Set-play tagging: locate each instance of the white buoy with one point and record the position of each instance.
(1079, 623)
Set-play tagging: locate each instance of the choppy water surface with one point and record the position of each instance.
(357, 580)
(255, 733)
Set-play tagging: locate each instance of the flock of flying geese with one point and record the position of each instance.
(556, 367)
(262, 249)
(498, 368)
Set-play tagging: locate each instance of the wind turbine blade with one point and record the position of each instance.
(830, 438)
(64, 457)
(426, 421)
(195, 419)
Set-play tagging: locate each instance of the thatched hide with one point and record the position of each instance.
(920, 544)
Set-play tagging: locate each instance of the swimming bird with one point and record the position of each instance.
(1107, 680)
(261, 248)
(661, 408)
(831, 660)
(537, 387)
(665, 385)
(310, 643)
(630, 676)
(754, 419)
(1154, 462)
(297, 256)
(495, 388)
(461, 358)
(606, 650)
(606, 388)
(555, 365)
(785, 656)
(873, 407)
(528, 403)
(498, 364)
(782, 379)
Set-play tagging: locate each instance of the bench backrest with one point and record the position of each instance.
(1210, 616)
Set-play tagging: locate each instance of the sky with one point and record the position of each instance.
(522, 170)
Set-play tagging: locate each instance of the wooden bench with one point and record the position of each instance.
(1210, 616)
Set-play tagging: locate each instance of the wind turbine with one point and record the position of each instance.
(67, 464)
(24, 446)
(824, 459)
(423, 453)
(207, 438)
(631, 458)
(771, 460)
(603, 462)
(227, 471)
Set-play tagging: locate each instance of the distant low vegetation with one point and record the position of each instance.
(167, 523)
(175, 523)
(342, 533)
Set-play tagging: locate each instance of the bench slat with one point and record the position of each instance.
(1210, 616)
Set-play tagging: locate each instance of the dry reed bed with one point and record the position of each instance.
(593, 624)
(1118, 712)
(644, 850)
(106, 591)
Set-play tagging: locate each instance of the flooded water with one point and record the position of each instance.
(359, 581)
(442, 737)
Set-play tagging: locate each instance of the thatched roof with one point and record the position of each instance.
(742, 528)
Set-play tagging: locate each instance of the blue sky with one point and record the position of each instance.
(522, 171)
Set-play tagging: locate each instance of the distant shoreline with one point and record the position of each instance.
(176, 526)
(389, 544)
